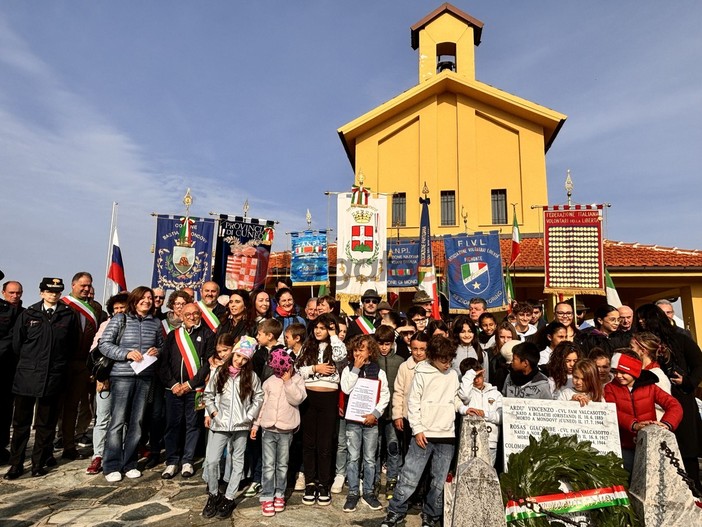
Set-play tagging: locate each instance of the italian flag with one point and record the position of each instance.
(516, 238)
(568, 502)
(612, 295)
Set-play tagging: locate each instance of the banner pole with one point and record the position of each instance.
(109, 251)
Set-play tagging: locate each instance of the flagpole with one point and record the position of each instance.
(109, 250)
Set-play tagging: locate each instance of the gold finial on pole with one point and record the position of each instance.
(187, 201)
(425, 190)
(361, 178)
(569, 186)
(308, 217)
(464, 215)
(246, 208)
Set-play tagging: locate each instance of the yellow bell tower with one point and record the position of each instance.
(479, 149)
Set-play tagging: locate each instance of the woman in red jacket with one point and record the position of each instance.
(635, 393)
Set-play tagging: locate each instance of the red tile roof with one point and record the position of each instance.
(617, 255)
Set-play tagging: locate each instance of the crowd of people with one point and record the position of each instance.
(260, 388)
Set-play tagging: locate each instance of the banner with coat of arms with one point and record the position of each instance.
(474, 270)
(242, 252)
(361, 245)
(309, 264)
(183, 252)
(403, 260)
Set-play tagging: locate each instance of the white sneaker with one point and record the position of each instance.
(338, 484)
(133, 474)
(113, 477)
(187, 471)
(300, 481)
(170, 471)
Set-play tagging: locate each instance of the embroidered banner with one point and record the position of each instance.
(183, 252)
(361, 256)
(474, 270)
(403, 260)
(242, 251)
(309, 264)
(573, 253)
(567, 502)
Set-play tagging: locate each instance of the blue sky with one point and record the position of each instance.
(136, 101)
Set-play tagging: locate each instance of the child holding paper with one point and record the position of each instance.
(363, 435)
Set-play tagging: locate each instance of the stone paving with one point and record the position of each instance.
(68, 496)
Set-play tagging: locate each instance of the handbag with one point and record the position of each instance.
(99, 365)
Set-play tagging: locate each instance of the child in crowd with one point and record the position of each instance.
(525, 381)
(488, 325)
(342, 453)
(560, 366)
(233, 398)
(432, 406)
(388, 441)
(602, 361)
(223, 348)
(498, 366)
(482, 399)
(635, 394)
(317, 365)
(547, 339)
(522, 323)
(283, 392)
(465, 335)
(362, 436)
(586, 384)
(403, 383)
(295, 335)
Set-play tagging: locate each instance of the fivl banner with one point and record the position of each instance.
(403, 260)
(573, 253)
(183, 252)
(309, 264)
(361, 257)
(474, 270)
(242, 252)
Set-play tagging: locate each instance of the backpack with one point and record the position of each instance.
(98, 364)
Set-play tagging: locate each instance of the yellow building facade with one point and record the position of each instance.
(478, 149)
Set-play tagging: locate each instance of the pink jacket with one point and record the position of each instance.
(280, 410)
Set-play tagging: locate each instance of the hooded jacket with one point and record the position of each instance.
(401, 389)
(489, 400)
(433, 402)
(536, 388)
(233, 414)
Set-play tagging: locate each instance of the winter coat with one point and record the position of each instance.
(43, 347)
(638, 404)
(8, 317)
(489, 400)
(401, 389)
(433, 402)
(281, 400)
(140, 333)
(87, 331)
(536, 388)
(260, 361)
(390, 364)
(171, 366)
(233, 414)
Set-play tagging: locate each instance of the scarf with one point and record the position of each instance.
(233, 372)
(284, 313)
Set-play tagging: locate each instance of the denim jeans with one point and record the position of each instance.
(275, 447)
(415, 461)
(235, 443)
(102, 421)
(178, 410)
(360, 437)
(341, 452)
(393, 455)
(127, 401)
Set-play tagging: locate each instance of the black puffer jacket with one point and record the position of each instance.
(43, 347)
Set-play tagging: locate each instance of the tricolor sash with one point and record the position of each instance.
(187, 351)
(166, 327)
(82, 307)
(208, 315)
(366, 327)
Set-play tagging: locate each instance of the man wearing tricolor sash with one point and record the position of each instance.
(368, 320)
(79, 388)
(183, 368)
(212, 311)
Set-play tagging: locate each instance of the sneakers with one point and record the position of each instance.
(323, 496)
(279, 504)
(225, 508)
(338, 484)
(372, 502)
(187, 470)
(267, 508)
(170, 471)
(392, 519)
(300, 481)
(133, 474)
(351, 502)
(95, 466)
(252, 490)
(113, 477)
(84, 441)
(310, 496)
(428, 521)
(211, 506)
(390, 488)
